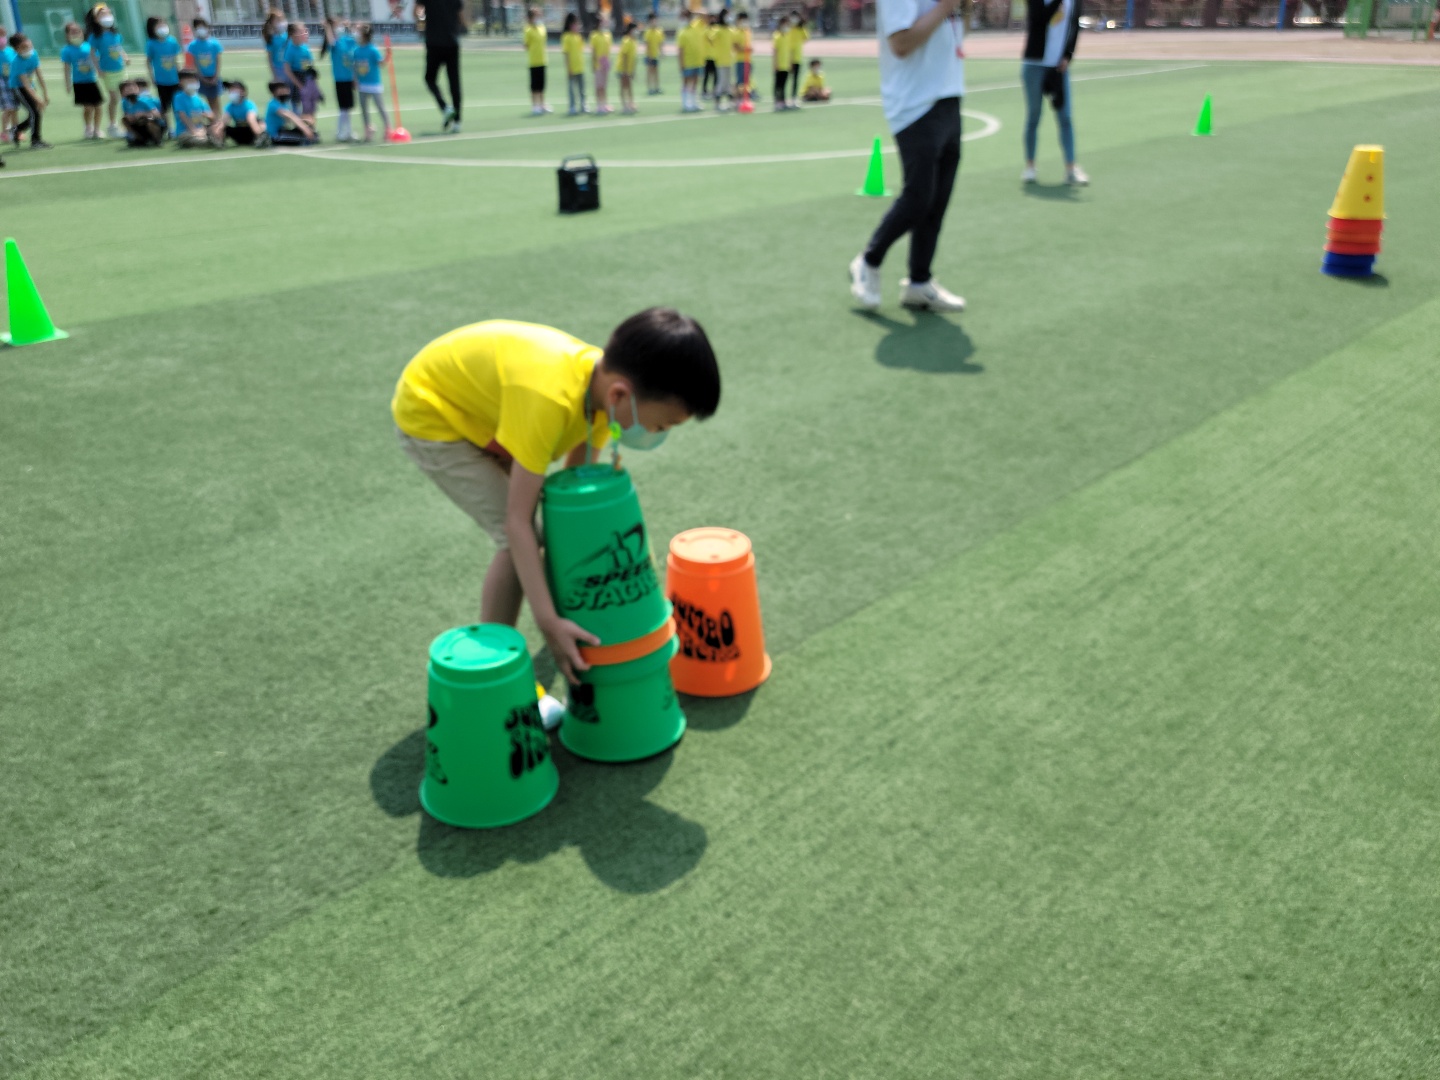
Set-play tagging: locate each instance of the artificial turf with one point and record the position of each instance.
(1100, 739)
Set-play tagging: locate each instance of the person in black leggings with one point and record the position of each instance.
(444, 23)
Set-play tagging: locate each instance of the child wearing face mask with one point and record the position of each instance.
(25, 75)
(484, 410)
(283, 125)
(367, 62)
(162, 55)
(277, 40)
(108, 48)
(301, 74)
(242, 122)
(204, 52)
(80, 78)
(195, 123)
(341, 45)
(9, 102)
(144, 120)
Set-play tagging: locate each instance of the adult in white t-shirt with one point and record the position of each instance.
(1052, 27)
(922, 78)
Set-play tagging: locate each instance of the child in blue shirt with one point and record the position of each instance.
(162, 54)
(144, 121)
(366, 63)
(282, 124)
(204, 54)
(341, 45)
(277, 40)
(80, 77)
(242, 122)
(8, 99)
(108, 49)
(195, 124)
(25, 74)
(300, 72)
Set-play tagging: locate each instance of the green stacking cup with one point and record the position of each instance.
(487, 757)
(624, 712)
(597, 554)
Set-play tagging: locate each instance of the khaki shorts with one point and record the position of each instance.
(477, 481)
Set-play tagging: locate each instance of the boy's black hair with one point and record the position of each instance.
(198, 22)
(815, 63)
(571, 19)
(666, 355)
(277, 84)
(16, 39)
(236, 84)
(150, 24)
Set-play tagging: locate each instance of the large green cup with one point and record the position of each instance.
(487, 757)
(597, 554)
(624, 712)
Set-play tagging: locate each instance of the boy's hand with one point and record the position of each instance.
(564, 638)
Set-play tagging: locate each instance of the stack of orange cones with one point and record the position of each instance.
(711, 582)
(1357, 216)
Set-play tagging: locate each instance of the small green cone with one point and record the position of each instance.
(875, 175)
(1202, 122)
(29, 321)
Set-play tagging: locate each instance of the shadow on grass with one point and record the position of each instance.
(1370, 281)
(1053, 192)
(930, 343)
(715, 714)
(630, 844)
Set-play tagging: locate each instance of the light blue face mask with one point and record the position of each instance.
(635, 437)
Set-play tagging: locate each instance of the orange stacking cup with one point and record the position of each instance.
(711, 583)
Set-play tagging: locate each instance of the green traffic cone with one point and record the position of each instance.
(1202, 122)
(875, 175)
(29, 321)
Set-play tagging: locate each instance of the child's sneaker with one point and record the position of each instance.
(455, 127)
(551, 712)
(864, 282)
(536, 110)
(931, 296)
(40, 144)
(369, 133)
(263, 140)
(447, 119)
(1027, 174)
(1076, 176)
(114, 132)
(546, 109)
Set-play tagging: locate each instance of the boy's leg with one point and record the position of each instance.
(501, 595)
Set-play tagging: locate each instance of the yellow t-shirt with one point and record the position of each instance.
(743, 42)
(573, 46)
(781, 43)
(798, 36)
(628, 53)
(723, 44)
(812, 82)
(535, 45)
(692, 51)
(600, 42)
(515, 388)
(654, 42)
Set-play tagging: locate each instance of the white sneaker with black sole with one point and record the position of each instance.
(864, 283)
(930, 296)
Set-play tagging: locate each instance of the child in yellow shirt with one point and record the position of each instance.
(815, 88)
(535, 57)
(798, 36)
(693, 46)
(573, 46)
(780, 42)
(744, 54)
(625, 68)
(722, 48)
(654, 50)
(486, 409)
(601, 42)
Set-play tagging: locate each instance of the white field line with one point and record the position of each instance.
(989, 126)
(550, 129)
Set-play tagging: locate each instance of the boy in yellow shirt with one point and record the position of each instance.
(654, 50)
(693, 46)
(486, 409)
(625, 68)
(535, 57)
(744, 54)
(573, 46)
(798, 36)
(780, 43)
(600, 46)
(815, 88)
(722, 47)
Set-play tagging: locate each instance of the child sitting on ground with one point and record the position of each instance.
(242, 122)
(485, 410)
(144, 121)
(815, 88)
(195, 124)
(282, 124)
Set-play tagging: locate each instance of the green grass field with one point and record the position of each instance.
(1101, 737)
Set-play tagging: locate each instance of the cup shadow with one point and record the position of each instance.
(930, 343)
(629, 843)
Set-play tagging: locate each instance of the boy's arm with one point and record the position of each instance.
(562, 635)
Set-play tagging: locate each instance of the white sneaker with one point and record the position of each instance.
(1027, 175)
(455, 127)
(1077, 176)
(864, 283)
(114, 132)
(931, 296)
(551, 712)
(536, 110)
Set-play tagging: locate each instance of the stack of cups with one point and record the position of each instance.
(1357, 216)
(602, 577)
